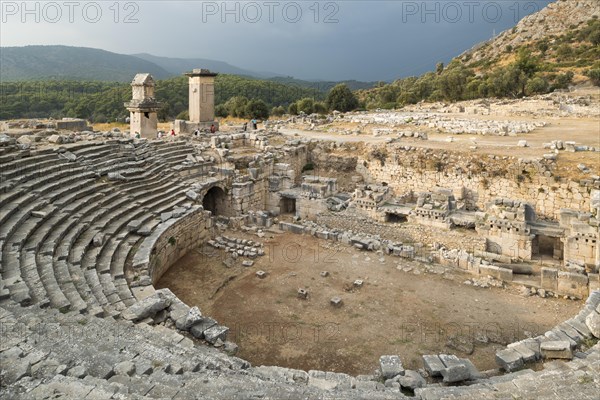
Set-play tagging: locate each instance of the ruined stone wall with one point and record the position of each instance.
(483, 179)
(310, 208)
(405, 233)
(249, 196)
(298, 157)
(170, 241)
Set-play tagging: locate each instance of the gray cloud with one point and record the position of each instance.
(365, 40)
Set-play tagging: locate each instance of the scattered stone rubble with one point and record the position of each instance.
(148, 215)
(91, 220)
(238, 247)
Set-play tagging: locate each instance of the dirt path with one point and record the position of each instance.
(394, 312)
(581, 130)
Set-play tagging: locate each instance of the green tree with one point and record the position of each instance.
(306, 105)
(594, 75)
(278, 111)
(341, 98)
(537, 85)
(563, 81)
(236, 106)
(293, 109)
(320, 108)
(439, 68)
(564, 51)
(594, 36)
(221, 111)
(527, 63)
(257, 108)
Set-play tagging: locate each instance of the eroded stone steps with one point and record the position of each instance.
(120, 166)
(16, 161)
(57, 179)
(33, 171)
(160, 195)
(78, 249)
(73, 225)
(25, 241)
(32, 194)
(13, 212)
(145, 191)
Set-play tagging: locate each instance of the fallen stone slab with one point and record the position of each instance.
(390, 366)
(216, 332)
(592, 321)
(56, 139)
(230, 348)
(509, 360)
(527, 350)
(134, 225)
(190, 194)
(433, 365)
(193, 317)
(199, 329)
(556, 349)
(115, 176)
(473, 371)
(455, 373)
(411, 380)
(147, 307)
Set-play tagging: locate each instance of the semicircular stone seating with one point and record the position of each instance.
(75, 219)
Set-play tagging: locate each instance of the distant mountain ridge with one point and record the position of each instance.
(57, 62)
(177, 66)
(72, 63)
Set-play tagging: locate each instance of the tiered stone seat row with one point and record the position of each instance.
(73, 356)
(53, 209)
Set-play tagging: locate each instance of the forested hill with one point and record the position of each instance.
(72, 63)
(103, 101)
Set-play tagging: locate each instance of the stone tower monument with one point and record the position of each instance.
(201, 102)
(202, 95)
(143, 107)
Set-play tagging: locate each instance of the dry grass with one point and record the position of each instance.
(567, 165)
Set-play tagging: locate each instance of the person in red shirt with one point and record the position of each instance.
(172, 132)
(213, 129)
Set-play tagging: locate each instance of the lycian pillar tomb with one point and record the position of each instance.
(201, 102)
(143, 107)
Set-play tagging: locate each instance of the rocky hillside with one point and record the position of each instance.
(553, 49)
(547, 25)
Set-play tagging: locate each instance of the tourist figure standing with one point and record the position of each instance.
(254, 123)
(245, 126)
(213, 129)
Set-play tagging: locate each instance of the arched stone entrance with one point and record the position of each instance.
(215, 201)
